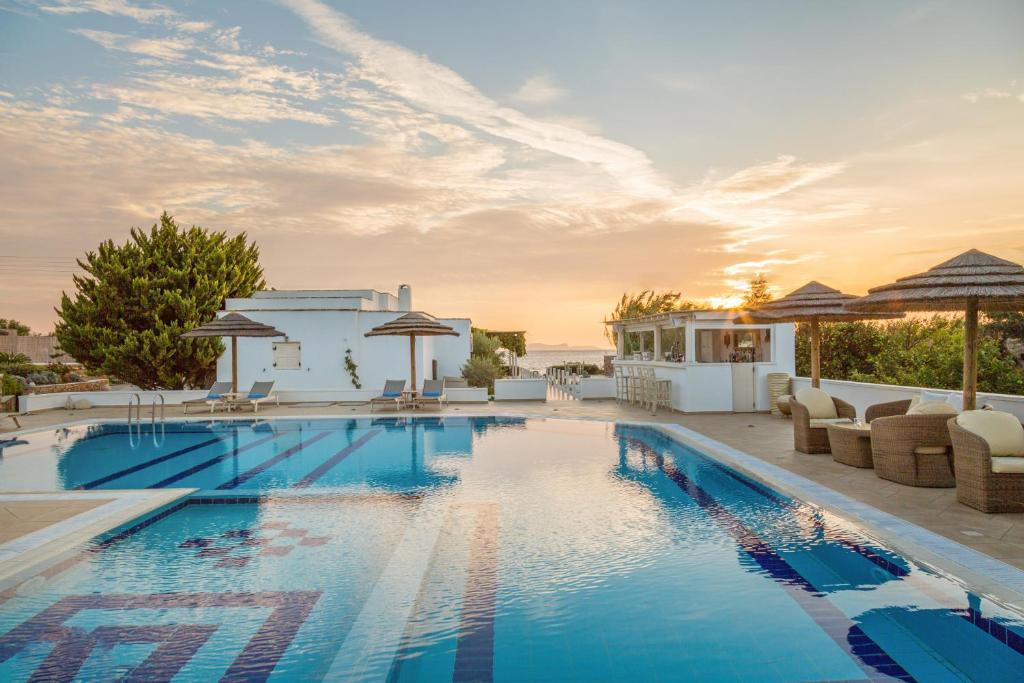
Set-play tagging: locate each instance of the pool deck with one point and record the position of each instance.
(768, 438)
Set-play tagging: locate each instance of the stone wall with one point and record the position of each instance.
(100, 384)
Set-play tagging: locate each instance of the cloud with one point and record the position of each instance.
(158, 48)
(771, 179)
(538, 89)
(417, 80)
(1011, 92)
(121, 8)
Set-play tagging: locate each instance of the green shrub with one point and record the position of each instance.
(481, 372)
(45, 377)
(13, 385)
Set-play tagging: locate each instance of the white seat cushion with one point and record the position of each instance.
(819, 404)
(930, 450)
(1001, 431)
(1008, 464)
(932, 408)
(825, 421)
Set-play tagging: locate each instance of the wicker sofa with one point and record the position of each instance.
(977, 483)
(887, 409)
(813, 438)
(913, 449)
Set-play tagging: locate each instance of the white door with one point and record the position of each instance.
(743, 388)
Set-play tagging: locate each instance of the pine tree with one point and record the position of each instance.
(758, 292)
(128, 312)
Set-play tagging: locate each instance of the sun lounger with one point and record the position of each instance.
(391, 396)
(260, 393)
(432, 394)
(213, 398)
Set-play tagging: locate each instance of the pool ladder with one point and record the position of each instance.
(135, 437)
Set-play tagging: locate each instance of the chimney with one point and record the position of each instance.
(404, 298)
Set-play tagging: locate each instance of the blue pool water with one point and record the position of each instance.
(471, 550)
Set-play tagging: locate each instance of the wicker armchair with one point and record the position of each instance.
(887, 409)
(976, 484)
(913, 449)
(808, 439)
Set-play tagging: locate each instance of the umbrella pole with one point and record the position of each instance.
(971, 355)
(815, 354)
(412, 359)
(234, 365)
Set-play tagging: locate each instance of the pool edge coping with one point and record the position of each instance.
(26, 556)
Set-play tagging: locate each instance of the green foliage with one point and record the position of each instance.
(12, 324)
(918, 352)
(13, 385)
(757, 292)
(128, 312)
(484, 364)
(513, 341)
(44, 377)
(648, 302)
(353, 369)
(15, 364)
(481, 372)
(587, 369)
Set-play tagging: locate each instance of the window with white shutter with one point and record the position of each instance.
(287, 355)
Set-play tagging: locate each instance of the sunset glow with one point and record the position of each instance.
(522, 164)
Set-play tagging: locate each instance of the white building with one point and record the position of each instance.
(716, 361)
(322, 327)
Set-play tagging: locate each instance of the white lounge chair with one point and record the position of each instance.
(261, 392)
(212, 399)
(432, 394)
(391, 396)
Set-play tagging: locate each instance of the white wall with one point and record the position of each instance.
(36, 402)
(325, 335)
(861, 395)
(596, 387)
(520, 389)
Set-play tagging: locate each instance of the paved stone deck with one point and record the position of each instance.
(20, 517)
(1000, 535)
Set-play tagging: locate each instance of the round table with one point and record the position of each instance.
(851, 444)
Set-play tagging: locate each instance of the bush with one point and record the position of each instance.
(588, 369)
(13, 385)
(45, 377)
(481, 372)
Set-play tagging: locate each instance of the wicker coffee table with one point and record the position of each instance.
(851, 444)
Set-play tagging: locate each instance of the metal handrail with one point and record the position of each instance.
(163, 405)
(138, 409)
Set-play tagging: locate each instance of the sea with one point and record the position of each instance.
(540, 360)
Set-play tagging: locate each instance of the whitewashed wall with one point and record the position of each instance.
(36, 402)
(862, 395)
(520, 389)
(325, 335)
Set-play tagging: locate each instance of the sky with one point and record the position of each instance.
(519, 163)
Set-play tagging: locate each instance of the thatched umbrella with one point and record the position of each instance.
(234, 325)
(412, 325)
(813, 303)
(971, 282)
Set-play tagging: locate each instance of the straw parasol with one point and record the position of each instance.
(814, 303)
(234, 325)
(971, 282)
(412, 325)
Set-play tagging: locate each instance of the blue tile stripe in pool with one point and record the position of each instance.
(868, 655)
(329, 464)
(213, 461)
(149, 463)
(986, 625)
(270, 462)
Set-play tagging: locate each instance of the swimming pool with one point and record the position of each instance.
(470, 549)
